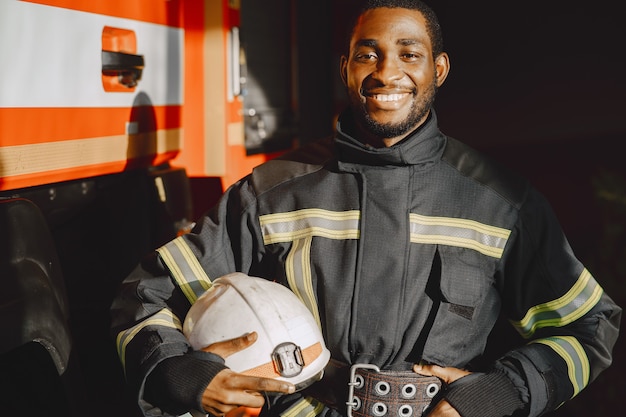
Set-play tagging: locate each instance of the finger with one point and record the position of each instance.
(230, 400)
(229, 390)
(254, 384)
(446, 374)
(228, 347)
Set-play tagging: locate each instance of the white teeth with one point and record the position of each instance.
(388, 97)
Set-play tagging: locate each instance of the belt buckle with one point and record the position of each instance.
(353, 402)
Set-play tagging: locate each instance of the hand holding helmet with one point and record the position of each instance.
(229, 389)
(267, 337)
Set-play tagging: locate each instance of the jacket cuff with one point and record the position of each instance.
(176, 384)
(484, 395)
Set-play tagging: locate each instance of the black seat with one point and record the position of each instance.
(38, 375)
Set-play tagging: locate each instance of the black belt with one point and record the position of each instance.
(363, 390)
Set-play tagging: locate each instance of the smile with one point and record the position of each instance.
(389, 97)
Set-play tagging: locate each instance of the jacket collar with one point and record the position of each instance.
(423, 146)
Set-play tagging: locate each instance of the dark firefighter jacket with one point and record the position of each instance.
(403, 254)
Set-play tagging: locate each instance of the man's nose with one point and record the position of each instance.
(387, 70)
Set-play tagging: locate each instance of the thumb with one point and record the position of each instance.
(226, 348)
(446, 374)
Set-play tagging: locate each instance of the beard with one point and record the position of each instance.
(419, 109)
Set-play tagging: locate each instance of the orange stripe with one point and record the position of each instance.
(22, 126)
(268, 370)
(163, 12)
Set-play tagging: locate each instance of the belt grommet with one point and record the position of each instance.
(405, 411)
(432, 390)
(408, 391)
(358, 381)
(355, 404)
(379, 409)
(382, 388)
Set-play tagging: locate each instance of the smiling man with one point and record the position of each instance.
(392, 74)
(406, 246)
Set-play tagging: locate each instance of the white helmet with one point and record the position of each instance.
(290, 345)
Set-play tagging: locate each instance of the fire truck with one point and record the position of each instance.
(120, 121)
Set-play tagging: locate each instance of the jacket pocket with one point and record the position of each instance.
(467, 306)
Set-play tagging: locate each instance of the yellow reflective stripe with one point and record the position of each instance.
(305, 407)
(163, 318)
(574, 356)
(299, 276)
(299, 227)
(289, 226)
(581, 298)
(486, 239)
(185, 268)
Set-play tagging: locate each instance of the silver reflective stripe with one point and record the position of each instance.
(163, 318)
(574, 356)
(299, 276)
(299, 227)
(185, 268)
(577, 302)
(486, 239)
(289, 226)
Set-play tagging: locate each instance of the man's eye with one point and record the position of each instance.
(366, 57)
(411, 55)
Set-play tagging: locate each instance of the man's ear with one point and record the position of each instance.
(343, 69)
(442, 67)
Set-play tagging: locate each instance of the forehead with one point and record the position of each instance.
(390, 25)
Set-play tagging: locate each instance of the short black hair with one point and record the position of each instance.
(432, 21)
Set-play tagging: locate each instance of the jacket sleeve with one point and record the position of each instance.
(558, 307)
(569, 324)
(149, 310)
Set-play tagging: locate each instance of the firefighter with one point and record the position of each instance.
(405, 244)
